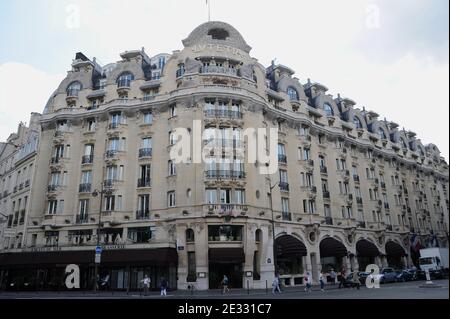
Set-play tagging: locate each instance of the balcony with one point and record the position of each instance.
(180, 73)
(284, 187)
(124, 84)
(286, 216)
(282, 159)
(328, 221)
(81, 219)
(116, 124)
(344, 172)
(323, 170)
(145, 153)
(144, 182)
(111, 153)
(84, 188)
(72, 95)
(226, 114)
(225, 174)
(356, 178)
(109, 183)
(308, 162)
(87, 159)
(52, 188)
(227, 209)
(56, 160)
(143, 214)
(213, 69)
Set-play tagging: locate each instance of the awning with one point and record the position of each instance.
(290, 247)
(365, 248)
(226, 255)
(159, 256)
(394, 249)
(330, 247)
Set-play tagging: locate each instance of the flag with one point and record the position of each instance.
(415, 243)
(434, 241)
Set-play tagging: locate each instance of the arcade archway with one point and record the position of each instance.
(366, 253)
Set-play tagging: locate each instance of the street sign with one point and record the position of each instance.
(98, 250)
(98, 258)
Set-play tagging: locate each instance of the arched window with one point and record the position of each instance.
(190, 237)
(381, 133)
(357, 122)
(328, 109)
(74, 88)
(292, 93)
(125, 79)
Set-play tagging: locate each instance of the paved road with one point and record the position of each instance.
(409, 290)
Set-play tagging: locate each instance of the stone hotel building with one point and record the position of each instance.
(351, 188)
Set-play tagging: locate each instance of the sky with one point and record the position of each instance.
(390, 56)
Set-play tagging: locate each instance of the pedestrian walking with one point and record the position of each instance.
(276, 285)
(341, 279)
(322, 281)
(146, 283)
(356, 281)
(163, 286)
(225, 282)
(308, 283)
(333, 276)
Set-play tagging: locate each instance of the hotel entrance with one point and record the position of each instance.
(229, 262)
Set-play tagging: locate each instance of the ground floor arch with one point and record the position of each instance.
(366, 253)
(395, 255)
(290, 256)
(333, 255)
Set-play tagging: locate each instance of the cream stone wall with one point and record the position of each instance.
(262, 107)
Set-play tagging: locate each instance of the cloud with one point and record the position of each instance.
(23, 89)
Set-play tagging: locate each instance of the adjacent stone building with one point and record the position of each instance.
(351, 189)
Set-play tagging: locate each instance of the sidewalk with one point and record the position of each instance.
(259, 293)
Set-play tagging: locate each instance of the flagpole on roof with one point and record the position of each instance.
(208, 3)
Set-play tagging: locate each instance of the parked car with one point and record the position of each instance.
(363, 276)
(387, 275)
(404, 275)
(349, 283)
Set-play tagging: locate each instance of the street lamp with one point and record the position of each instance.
(99, 226)
(271, 187)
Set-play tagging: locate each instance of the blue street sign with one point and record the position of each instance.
(98, 250)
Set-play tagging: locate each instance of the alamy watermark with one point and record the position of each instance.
(225, 147)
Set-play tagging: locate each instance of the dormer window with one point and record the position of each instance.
(328, 109)
(357, 122)
(74, 88)
(125, 79)
(181, 70)
(382, 134)
(293, 94)
(218, 34)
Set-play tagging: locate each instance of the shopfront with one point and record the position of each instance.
(119, 269)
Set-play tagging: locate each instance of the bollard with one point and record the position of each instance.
(248, 287)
